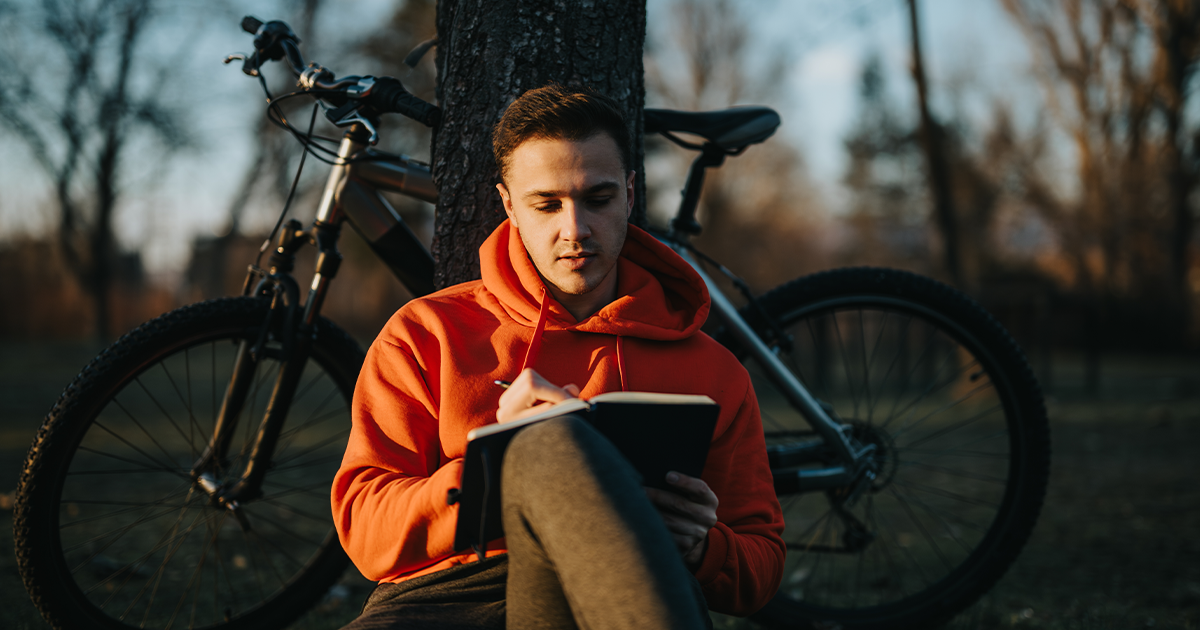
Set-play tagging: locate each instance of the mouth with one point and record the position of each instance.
(576, 260)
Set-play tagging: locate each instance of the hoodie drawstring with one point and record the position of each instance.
(535, 344)
(621, 365)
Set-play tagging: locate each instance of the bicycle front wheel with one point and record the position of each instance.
(112, 531)
(962, 449)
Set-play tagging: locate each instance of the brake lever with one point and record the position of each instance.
(351, 113)
(250, 63)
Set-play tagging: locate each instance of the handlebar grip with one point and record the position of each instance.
(251, 24)
(389, 96)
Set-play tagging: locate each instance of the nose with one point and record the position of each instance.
(574, 225)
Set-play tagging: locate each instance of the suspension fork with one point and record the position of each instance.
(294, 326)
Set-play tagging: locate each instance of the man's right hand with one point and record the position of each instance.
(530, 393)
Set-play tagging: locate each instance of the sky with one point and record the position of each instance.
(968, 44)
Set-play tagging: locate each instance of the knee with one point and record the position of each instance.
(553, 447)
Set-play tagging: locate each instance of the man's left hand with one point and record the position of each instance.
(688, 511)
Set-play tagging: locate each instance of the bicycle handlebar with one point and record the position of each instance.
(389, 96)
(275, 41)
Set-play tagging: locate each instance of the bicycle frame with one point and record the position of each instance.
(352, 195)
(855, 463)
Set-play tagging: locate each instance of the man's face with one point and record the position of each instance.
(571, 201)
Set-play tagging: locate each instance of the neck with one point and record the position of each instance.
(583, 306)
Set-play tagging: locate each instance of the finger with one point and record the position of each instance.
(670, 503)
(528, 389)
(686, 528)
(687, 535)
(683, 535)
(666, 501)
(543, 389)
(572, 389)
(693, 488)
(534, 410)
(681, 542)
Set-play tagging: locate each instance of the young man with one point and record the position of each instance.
(572, 302)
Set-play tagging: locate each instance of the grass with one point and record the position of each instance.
(1117, 545)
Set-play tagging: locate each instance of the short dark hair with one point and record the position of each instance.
(558, 112)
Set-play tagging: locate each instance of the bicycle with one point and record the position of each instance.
(183, 477)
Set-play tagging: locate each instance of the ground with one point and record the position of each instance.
(1117, 545)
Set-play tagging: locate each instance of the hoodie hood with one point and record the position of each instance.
(659, 296)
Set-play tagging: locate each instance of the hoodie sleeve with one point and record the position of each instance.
(744, 563)
(389, 496)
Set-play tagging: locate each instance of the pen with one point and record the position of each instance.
(504, 384)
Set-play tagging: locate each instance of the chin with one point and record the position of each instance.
(575, 286)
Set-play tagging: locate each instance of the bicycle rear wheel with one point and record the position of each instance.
(936, 384)
(111, 529)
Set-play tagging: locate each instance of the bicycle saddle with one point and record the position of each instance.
(731, 129)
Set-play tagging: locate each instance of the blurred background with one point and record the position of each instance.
(1042, 156)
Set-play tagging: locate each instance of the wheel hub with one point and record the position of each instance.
(884, 459)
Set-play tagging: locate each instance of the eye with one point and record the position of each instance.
(599, 201)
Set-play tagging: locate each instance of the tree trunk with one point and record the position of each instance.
(489, 52)
(935, 153)
(1178, 64)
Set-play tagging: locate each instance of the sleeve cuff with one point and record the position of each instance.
(717, 555)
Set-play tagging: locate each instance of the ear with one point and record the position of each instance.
(629, 188)
(507, 199)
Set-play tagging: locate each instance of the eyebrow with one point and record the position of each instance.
(602, 187)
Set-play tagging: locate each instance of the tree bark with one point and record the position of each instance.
(489, 52)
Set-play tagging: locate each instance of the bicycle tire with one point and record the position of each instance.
(964, 448)
(110, 529)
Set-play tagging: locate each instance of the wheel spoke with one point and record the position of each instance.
(904, 548)
(936, 386)
(298, 512)
(960, 448)
(136, 534)
(193, 424)
(943, 515)
(946, 493)
(259, 515)
(161, 409)
(837, 334)
(157, 467)
(131, 445)
(309, 462)
(952, 428)
(335, 438)
(953, 472)
(912, 369)
(862, 342)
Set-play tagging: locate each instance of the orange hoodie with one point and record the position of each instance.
(428, 380)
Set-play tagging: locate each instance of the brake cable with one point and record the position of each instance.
(291, 193)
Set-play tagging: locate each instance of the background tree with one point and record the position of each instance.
(1135, 157)
(490, 52)
(937, 170)
(760, 214)
(82, 131)
(218, 265)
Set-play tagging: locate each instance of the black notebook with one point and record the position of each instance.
(657, 433)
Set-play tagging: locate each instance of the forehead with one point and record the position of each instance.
(552, 163)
